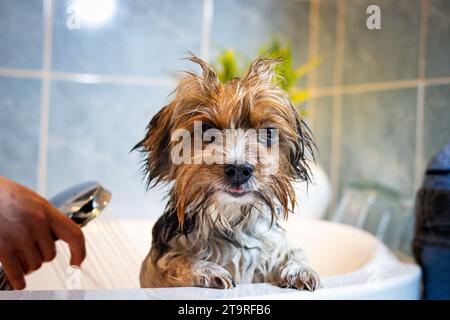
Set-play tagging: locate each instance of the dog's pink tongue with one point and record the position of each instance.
(237, 190)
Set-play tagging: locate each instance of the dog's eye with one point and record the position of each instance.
(269, 136)
(206, 127)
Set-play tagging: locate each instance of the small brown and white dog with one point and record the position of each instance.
(231, 187)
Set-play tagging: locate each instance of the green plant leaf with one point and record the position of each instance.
(298, 95)
(227, 67)
(287, 77)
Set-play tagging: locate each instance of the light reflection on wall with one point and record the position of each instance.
(93, 14)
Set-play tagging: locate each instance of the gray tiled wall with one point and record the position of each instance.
(93, 122)
(380, 123)
(437, 119)
(21, 36)
(323, 130)
(390, 53)
(145, 38)
(326, 42)
(19, 129)
(378, 137)
(438, 45)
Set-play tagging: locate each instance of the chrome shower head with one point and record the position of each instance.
(83, 202)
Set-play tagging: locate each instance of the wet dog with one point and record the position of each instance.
(230, 152)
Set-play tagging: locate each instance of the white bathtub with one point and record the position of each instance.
(352, 265)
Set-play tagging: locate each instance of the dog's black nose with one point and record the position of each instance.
(239, 174)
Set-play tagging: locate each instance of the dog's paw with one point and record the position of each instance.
(210, 275)
(300, 277)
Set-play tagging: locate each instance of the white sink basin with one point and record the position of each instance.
(352, 264)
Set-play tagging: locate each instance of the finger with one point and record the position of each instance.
(68, 231)
(46, 246)
(23, 262)
(14, 271)
(32, 257)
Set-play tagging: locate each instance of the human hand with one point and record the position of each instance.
(29, 226)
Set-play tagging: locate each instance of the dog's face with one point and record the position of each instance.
(241, 142)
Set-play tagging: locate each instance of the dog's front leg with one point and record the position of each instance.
(184, 271)
(295, 272)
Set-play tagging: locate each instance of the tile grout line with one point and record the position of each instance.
(377, 86)
(88, 78)
(337, 103)
(418, 157)
(21, 73)
(423, 39)
(91, 78)
(418, 154)
(112, 79)
(313, 40)
(207, 18)
(365, 87)
(436, 81)
(45, 96)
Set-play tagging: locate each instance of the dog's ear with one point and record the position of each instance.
(155, 147)
(302, 150)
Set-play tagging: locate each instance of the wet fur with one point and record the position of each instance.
(201, 239)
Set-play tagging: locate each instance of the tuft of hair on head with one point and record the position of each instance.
(262, 70)
(209, 80)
